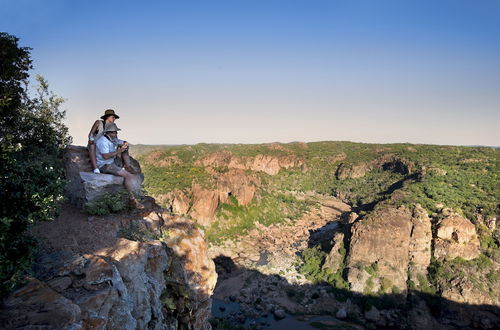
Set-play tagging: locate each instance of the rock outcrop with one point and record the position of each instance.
(420, 246)
(84, 186)
(205, 204)
(109, 282)
(456, 237)
(387, 162)
(201, 203)
(237, 183)
(382, 246)
(270, 164)
(128, 271)
(335, 258)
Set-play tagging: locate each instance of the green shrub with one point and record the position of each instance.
(386, 285)
(108, 203)
(138, 233)
(312, 268)
(372, 269)
(369, 286)
(32, 139)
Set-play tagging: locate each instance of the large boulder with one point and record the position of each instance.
(84, 186)
(37, 305)
(237, 183)
(385, 245)
(205, 204)
(456, 237)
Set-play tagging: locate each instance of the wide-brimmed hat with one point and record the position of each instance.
(109, 112)
(111, 127)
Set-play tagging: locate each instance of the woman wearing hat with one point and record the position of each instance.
(96, 132)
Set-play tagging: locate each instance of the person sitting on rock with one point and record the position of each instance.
(109, 150)
(96, 132)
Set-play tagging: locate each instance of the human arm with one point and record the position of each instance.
(106, 149)
(92, 132)
(114, 153)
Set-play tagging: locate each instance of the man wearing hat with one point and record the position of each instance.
(96, 132)
(109, 147)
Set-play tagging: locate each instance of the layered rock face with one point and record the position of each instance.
(382, 247)
(108, 282)
(270, 164)
(84, 186)
(201, 203)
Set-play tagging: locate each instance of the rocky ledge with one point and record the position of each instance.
(84, 186)
(129, 271)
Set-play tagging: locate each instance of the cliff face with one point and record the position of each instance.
(141, 269)
(90, 277)
(387, 246)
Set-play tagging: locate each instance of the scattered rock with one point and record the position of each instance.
(373, 314)
(341, 314)
(279, 314)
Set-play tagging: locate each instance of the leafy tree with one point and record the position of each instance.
(32, 138)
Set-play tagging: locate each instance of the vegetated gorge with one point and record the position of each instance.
(328, 235)
(363, 235)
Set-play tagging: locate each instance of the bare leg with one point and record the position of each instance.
(128, 180)
(126, 158)
(126, 162)
(128, 185)
(92, 155)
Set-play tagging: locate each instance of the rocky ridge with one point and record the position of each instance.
(144, 269)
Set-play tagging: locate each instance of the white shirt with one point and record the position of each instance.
(104, 146)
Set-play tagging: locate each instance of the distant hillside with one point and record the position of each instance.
(462, 178)
(410, 218)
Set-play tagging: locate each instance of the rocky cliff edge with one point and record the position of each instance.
(133, 270)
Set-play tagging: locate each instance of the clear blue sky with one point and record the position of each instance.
(264, 70)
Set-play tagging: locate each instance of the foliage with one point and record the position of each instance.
(223, 324)
(160, 180)
(108, 203)
(138, 233)
(32, 137)
(236, 219)
(465, 179)
(312, 267)
(372, 269)
(477, 271)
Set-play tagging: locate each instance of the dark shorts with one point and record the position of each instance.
(110, 169)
